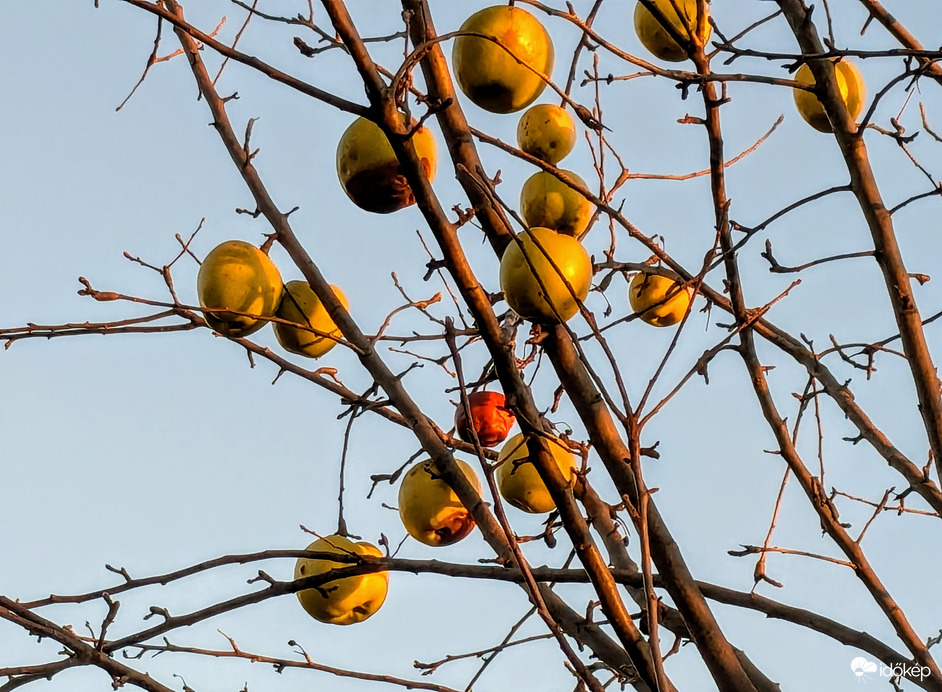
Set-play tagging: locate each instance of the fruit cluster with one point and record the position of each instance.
(502, 60)
(431, 511)
(240, 291)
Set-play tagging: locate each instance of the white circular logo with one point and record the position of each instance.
(862, 666)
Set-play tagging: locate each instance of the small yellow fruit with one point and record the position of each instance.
(238, 276)
(302, 306)
(342, 601)
(430, 510)
(655, 38)
(658, 300)
(849, 81)
(521, 284)
(492, 77)
(370, 172)
(547, 132)
(548, 202)
(519, 482)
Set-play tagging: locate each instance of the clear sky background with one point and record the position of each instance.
(156, 452)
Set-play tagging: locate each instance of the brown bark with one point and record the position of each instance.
(424, 431)
(901, 34)
(517, 393)
(880, 223)
(718, 653)
(815, 493)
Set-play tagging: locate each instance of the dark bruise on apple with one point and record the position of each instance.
(495, 97)
(430, 510)
(369, 171)
(383, 189)
(452, 527)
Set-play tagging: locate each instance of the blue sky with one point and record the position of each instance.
(155, 452)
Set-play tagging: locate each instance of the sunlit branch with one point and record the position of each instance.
(364, 565)
(903, 36)
(282, 664)
(167, 14)
(87, 654)
(880, 223)
(386, 379)
(757, 374)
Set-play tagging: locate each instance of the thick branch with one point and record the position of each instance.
(901, 34)
(597, 419)
(519, 396)
(420, 425)
(880, 223)
(811, 486)
(363, 565)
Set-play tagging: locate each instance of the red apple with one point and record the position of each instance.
(492, 419)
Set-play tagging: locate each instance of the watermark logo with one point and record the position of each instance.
(864, 670)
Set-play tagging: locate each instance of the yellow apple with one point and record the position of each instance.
(548, 202)
(547, 132)
(492, 75)
(430, 510)
(849, 81)
(370, 172)
(519, 482)
(524, 266)
(655, 38)
(238, 276)
(302, 306)
(660, 301)
(342, 601)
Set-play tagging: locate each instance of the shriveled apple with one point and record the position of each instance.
(490, 418)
